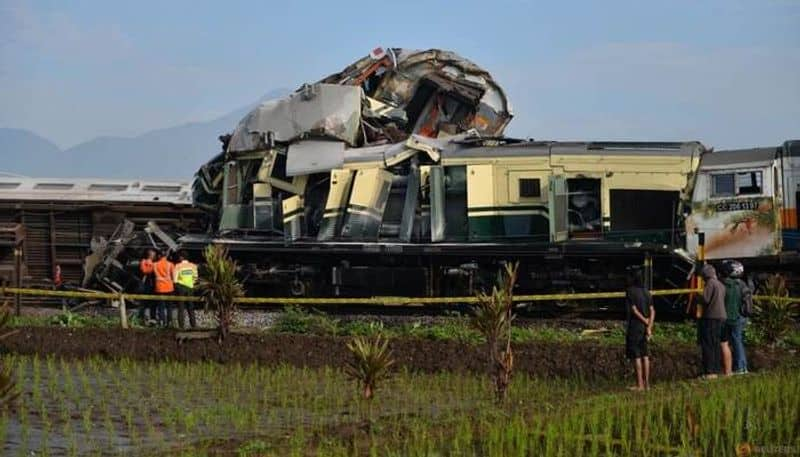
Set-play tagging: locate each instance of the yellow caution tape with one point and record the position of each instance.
(96, 295)
(385, 300)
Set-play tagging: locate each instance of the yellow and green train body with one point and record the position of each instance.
(438, 216)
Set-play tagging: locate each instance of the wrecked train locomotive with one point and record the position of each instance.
(393, 177)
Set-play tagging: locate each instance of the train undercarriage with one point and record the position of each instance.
(353, 270)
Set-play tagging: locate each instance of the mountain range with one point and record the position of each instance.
(168, 153)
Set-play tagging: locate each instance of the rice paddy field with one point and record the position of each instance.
(97, 406)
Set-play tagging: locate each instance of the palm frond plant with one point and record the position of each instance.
(776, 314)
(371, 362)
(219, 287)
(8, 388)
(492, 316)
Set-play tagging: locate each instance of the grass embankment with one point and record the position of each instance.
(100, 406)
(453, 328)
(457, 328)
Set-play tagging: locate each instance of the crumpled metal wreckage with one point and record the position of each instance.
(326, 161)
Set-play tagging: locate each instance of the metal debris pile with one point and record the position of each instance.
(384, 115)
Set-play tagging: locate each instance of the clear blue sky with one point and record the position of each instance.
(724, 72)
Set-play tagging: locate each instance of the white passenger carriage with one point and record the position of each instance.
(736, 204)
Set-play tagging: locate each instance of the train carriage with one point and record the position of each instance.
(736, 205)
(790, 215)
(744, 206)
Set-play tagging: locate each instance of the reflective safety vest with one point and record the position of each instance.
(186, 274)
(164, 271)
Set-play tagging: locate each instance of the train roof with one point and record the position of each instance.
(791, 148)
(544, 148)
(762, 155)
(14, 188)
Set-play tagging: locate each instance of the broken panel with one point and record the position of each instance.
(293, 218)
(558, 207)
(314, 156)
(393, 214)
(410, 205)
(456, 203)
(437, 199)
(321, 110)
(367, 203)
(263, 208)
(235, 215)
(336, 205)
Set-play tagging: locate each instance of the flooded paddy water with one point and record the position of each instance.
(99, 406)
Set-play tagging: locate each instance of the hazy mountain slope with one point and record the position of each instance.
(22, 151)
(169, 153)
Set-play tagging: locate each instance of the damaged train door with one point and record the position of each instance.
(558, 209)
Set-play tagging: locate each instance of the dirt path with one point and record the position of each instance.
(589, 360)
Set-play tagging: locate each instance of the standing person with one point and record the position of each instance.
(737, 296)
(185, 278)
(640, 318)
(164, 272)
(146, 265)
(58, 284)
(711, 322)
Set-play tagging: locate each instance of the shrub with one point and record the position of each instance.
(371, 362)
(776, 314)
(219, 287)
(69, 319)
(492, 317)
(365, 328)
(295, 319)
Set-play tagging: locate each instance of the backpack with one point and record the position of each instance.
(747, 299)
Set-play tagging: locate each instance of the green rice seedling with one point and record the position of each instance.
(419, 414)
(3, 426)
(8, 389)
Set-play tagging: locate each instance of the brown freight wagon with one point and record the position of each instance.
(51, 222)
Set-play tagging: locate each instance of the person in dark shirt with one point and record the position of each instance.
(712, 322)
(639, 327)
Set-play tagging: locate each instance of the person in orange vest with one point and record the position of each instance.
(147, 285)
(164, 272)
(185, 280)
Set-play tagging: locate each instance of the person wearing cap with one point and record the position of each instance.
(185, 279)
(164, 272)
(712, 322)
(734, 359)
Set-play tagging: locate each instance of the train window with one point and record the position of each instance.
(529, 188)
(733, 184)
(748, 183)
(723, 185)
